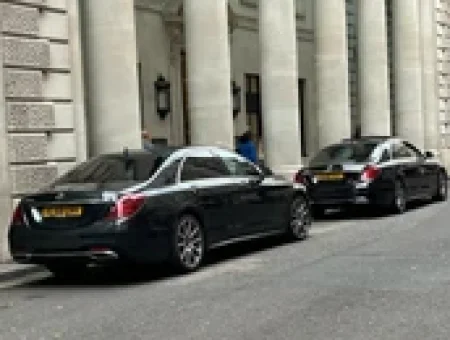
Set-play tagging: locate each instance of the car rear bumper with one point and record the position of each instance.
(358, 194)
(89, 256)
(43, 246)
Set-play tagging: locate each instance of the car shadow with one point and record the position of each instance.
(120, 276)
(366, 212)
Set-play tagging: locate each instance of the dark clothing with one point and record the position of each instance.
(248, 150)
(147, 145)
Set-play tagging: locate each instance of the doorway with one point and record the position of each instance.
(185, 95)
(302, 116)
(253, 106)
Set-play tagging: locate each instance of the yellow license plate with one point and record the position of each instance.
(62, 212)
(330, 177)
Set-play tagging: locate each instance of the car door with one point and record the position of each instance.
(258, 203)
(427, 172)
(208, 180)
(409, 166)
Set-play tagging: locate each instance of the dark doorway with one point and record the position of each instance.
(253, 105)
(302, 116)
(185, 93)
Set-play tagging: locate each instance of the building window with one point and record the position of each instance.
(253, 104)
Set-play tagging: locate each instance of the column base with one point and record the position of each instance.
(287, 171)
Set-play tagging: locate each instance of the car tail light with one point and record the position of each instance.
(370, 173)
(126, 207)
(299, 178)
(17, 217)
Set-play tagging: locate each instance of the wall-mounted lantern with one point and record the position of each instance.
(236, 95)
(162, 96)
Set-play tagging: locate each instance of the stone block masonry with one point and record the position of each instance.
(40, 96)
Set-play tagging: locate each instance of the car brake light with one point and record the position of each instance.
(370, 173)
(299, 178)
(17, 217)
(126, 207)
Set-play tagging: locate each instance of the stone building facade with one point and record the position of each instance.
(77, 78)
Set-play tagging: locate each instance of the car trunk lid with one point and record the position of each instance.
(70, 207)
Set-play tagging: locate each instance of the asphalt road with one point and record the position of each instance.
(358, 277)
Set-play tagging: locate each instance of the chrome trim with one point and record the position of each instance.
(246, 238)
(93, 255)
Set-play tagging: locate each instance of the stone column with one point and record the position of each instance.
(279, 86)
(430, 80)
(209, 73)
(111, 75)
(408, 71)
(373, 68)
(333, 102)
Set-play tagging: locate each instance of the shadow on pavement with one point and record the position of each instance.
(120, 276)
(365, 212)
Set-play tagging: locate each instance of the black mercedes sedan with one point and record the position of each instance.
(167, 204)
(385, 172)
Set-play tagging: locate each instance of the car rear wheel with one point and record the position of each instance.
(442, 188)
(188, 243)
(300, 219)
(399, 203)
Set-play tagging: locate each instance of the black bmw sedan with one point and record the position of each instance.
(384, 172)
(151, 206)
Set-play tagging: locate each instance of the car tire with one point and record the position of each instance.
(299, 219)
(188, 243)
(399, 203)
(442, 188)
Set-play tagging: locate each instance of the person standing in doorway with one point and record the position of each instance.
(146, 140)
(246, 148)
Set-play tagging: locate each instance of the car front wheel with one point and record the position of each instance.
(300, 219)
(399, 203)
(442, 188)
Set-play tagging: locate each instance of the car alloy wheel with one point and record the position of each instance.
(300, 221)
(442, 187)
(399, 198)
(189, 243)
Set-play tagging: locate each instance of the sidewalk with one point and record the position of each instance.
(13, 271)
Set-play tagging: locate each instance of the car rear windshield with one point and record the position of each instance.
(343, 153)
(113, 169)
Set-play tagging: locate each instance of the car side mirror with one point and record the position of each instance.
(429, 154)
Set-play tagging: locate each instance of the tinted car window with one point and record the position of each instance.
(113, 169)
(167, 176)
(385, 156)
(237, 167)
(344, 153)
(203, 167)
(402, 151)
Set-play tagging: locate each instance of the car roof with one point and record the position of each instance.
(167, 150)
(368, 139)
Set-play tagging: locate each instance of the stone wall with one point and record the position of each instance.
(41, 97)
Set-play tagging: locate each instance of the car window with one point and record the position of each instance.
(344, 153)
(385, 156)
(203, 167)
(238, 167)
(167, 176)
(402, 151)
(103, 169)
(414, 150)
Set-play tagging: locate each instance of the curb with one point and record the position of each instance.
(18, 273)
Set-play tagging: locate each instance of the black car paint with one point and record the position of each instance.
(229, 208)
(420, 179)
